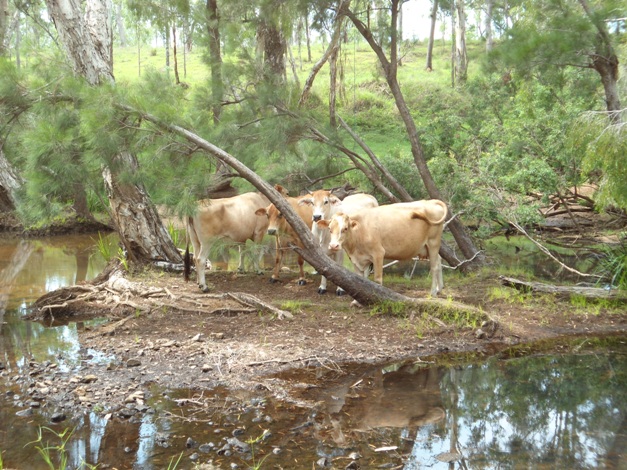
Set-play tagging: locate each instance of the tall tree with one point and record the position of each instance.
(87, 40)
(10, 180)
(433, 17)
(489, 39)
(572, 33)
(461, 54)
(215, 59)
(389, 66)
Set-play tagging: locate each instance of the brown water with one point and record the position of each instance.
(525, 408)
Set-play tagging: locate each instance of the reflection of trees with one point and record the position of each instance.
(17, 260)
(543, 410)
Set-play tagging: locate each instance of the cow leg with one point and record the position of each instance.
(437, 282)
(257, 257)
(240, 266)
(322, 289)
(277, 260)
(201, 262)
(301, 270)
(339, 259)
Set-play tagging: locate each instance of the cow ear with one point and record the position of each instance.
(334, 200)
(261, 211)
(307, 201)
(354, 223)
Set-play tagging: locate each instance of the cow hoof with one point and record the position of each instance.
(205, 289)
(273, 280)
(302, 282)
(321, 291)
(356, 304)
(340, 292)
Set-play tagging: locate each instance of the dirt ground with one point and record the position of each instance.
(164, 331)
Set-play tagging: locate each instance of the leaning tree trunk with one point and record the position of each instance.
(462, 238)
(86, 38)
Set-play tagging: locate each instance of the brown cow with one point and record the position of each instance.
(395, 231)
(231, 218)
(324, 205)
(286, 235)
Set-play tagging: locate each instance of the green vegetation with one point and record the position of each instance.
(54, 455)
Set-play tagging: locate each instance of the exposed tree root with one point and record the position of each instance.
(118, 294)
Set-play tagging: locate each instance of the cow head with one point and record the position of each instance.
(322, 202)
(339, 226)
(275, 218)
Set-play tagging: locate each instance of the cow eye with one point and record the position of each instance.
(280, 216)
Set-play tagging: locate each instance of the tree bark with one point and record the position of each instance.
(434, 12)
(489, 40)
(215, 58)
(119, 22)
(333, 45)
(4, 25)
(10, 182)
(87, 42)
(605, 62)
(461, 55)
(464, 242)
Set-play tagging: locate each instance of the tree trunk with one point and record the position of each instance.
(462, 238)
(333, 47)
(4, 24)
(307, 36)
(489, 40)
(274, 53)
(605, 62)
(87, 41)
(176, 64)
(215, 58)
(10, 182)
(461, 56)
(119, 22)
(434, 12)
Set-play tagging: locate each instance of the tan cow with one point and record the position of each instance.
(324, 205)
(231, 218)
(395, 231)
(286, 235)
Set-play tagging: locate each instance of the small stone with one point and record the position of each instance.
(57, 417)
(34, 404)
(25, 413)
(194, 457)
(89, 379)
(133, 362)
(206, 368)
(190, 443)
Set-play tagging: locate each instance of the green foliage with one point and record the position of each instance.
(388, 307)
(53, 453)
(613, 266)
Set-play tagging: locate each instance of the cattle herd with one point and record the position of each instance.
(356, 225)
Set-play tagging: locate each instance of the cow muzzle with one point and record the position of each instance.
(316, 217)
(334, 246)
(271, 231)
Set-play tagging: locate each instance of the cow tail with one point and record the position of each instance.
(187, 265)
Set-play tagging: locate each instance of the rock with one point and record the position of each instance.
(190, 443)
(206, 448)
(323, 462)
(238, 446)
(58, 417)
(194, 457)
(206, 368)
(25, 413)
(34, 404)
(133, 362)
(89, 379)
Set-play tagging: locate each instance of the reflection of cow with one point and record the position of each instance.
(231, 218)
(404, 396)
(324, 205)
(395, 231)
(286, 235)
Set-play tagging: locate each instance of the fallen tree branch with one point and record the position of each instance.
(588, 292)
(545, 250)
(252, 301)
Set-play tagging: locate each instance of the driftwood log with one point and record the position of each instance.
(564, 291)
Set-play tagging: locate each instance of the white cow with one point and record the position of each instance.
(325, 205)
(395, 231)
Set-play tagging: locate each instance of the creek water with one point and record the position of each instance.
(558, 405)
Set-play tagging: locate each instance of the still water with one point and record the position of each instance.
(563, 406)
